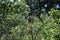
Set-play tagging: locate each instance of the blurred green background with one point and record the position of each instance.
(14, 25)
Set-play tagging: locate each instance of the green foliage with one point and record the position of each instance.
(14, 25)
